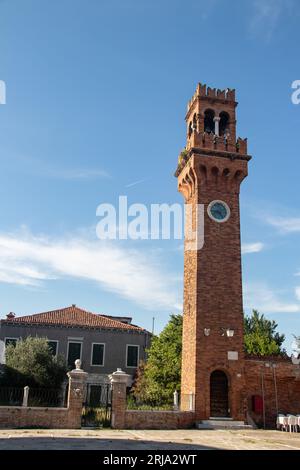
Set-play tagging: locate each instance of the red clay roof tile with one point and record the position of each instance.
(73, 316)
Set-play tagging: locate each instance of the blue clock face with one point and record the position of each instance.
(218, 211)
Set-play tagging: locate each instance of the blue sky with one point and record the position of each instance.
(96, 97)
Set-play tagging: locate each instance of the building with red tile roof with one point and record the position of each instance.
(103, 343)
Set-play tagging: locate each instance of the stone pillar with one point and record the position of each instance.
(119, 381)
(25, 396)
(176, 403)
(217, 121)
(77, 381)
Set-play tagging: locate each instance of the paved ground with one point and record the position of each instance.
(109, 439)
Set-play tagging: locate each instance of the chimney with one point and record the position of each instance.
(10, 316)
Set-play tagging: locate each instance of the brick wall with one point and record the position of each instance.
(287, 381)
(136, 419)
(21, 417)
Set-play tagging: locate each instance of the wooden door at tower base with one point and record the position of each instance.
(219, 407)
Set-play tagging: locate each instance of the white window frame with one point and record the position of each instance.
(9, 337)
(74, 341)
(57, 344)
(138, 356)
(103, 362)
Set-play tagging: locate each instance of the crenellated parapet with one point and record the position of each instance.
(212, 141)
(202, 91)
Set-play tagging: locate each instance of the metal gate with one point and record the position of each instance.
(96, 410)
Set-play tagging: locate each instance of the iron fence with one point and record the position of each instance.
(96, 410)
(99, 416)
(180, 401)
(40, 397)
(11, 396)
(45, 397)
(134, 404)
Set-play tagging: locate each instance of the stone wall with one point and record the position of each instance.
(136, 419)
(56, 418)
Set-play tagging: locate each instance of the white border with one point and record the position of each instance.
(224, 204)
(103, 362)
(72, 341)
(138, 356)
(54, 341)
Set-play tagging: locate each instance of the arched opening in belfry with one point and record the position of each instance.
(195, 122)
(219, 403)
(224, 123)
(209, 125)
(190, 129)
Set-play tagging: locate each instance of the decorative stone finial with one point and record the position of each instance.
(119, 376)
(78, 364)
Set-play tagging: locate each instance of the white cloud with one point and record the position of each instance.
(285, 224)
(29, 260)
(267, 15)
(252, 247)
(15, 273)
(261, 297)
(297, 292)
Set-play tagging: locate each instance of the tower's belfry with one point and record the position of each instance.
(210, 171)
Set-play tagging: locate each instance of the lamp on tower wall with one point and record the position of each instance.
(229, 332)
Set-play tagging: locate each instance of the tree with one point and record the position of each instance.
(31, 363)
(157, 380)
(261, 337)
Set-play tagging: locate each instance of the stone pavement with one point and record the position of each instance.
(109, 439)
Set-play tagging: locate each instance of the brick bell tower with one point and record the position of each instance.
(210, 171)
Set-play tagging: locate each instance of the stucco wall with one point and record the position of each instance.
(115, 343)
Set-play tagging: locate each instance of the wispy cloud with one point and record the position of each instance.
(16, 273)
(252, 247)
(267, 300)
(136, 182)
(267, 15)
(284, 224)
(30, 261)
